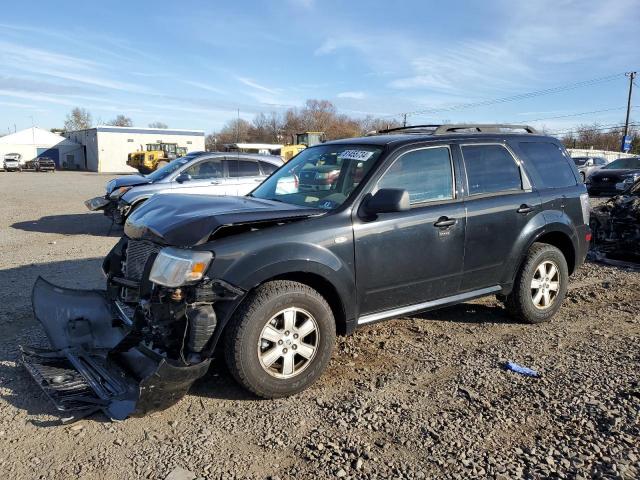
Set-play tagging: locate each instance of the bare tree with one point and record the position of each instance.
(121, 121)
(211, 142)
(599, 138)
(78, 119)
(234, 131)
(158, 125)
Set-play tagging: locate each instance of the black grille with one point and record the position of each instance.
(138, 253)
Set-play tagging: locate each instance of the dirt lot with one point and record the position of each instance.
(412, 398)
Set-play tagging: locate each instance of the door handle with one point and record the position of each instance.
(215, 182)
(444, 222)
(524, 208)
(258, 180)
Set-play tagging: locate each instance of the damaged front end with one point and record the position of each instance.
(133, 348)
(616, 229)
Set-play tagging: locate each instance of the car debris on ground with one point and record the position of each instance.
(616, 229)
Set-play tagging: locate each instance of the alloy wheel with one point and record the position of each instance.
(545, 285)
(288, 343)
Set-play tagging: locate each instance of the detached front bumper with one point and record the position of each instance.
(96, 360)
(114, 209)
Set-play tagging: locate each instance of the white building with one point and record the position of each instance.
(35, 142)
(107, 148)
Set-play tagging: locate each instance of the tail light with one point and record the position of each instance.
(586, 207)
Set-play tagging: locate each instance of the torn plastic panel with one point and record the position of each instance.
(99, 359)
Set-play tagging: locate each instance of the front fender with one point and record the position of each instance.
(286, 258)
(277, 260)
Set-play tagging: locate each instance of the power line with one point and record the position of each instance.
(513, 98)
(594, 128)
(575, 114)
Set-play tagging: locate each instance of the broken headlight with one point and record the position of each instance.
(116, 194)
(174, 267)
(630, 178)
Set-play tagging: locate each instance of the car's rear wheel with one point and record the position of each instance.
(280, 340)
(540, 285)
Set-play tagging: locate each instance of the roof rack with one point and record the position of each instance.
(458, 128)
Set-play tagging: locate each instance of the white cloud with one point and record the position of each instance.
(204, 86)
(356, 95)
(250, 83)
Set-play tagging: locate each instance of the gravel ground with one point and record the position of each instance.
(420, 397)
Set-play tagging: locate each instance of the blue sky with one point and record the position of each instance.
(191, 64)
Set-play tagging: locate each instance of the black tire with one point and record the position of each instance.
(243, 334)
(520, 303)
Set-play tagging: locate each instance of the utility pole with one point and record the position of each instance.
(625, 143)
(404, 119)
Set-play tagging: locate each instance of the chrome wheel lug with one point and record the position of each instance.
(295, 347)
(284, 350)
(295, 335)
(280, 342)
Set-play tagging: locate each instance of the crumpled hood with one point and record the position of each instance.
(126, 181)
(184, 220)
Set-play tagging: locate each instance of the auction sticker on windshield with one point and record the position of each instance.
(359, 155)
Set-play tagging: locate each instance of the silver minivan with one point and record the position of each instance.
(200, 173)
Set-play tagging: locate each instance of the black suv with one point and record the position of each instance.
(416, 218)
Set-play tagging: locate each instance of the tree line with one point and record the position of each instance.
(600, 138)
(322, 116)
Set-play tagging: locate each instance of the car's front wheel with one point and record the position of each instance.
(280, 340)
(540, 285)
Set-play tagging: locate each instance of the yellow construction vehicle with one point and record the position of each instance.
(302, 141)
(156, 155)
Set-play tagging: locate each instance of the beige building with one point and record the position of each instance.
(107, 148)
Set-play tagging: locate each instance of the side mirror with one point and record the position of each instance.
(387, 200)
(183, 177)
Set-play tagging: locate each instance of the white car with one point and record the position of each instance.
(12, 162)
(200, 173)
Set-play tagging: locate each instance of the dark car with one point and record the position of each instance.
(615, 177)
(416, 219)
(41, 164)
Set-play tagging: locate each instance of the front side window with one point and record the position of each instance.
(425, 174)
(322, 176)
(490, 169)
(206, 169)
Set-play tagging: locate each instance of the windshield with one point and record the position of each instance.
(624, 163)
(168, 168)
(320, 177)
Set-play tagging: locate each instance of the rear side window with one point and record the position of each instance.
(425, 174)
(243, 168)
(550, 163)
(490, 169)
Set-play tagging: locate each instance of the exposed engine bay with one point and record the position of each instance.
(616, 229)
(131, 349)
